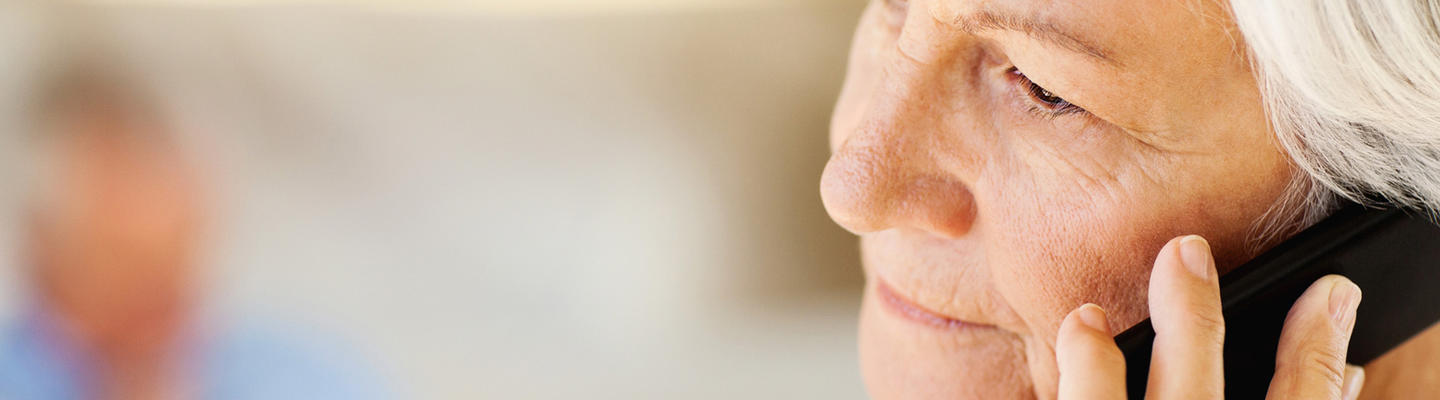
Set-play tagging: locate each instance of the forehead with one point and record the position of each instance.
(1104, 12)
(1128, 28)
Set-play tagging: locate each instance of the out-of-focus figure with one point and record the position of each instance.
(115, 230)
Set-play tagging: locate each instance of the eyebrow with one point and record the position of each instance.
(1043, 30)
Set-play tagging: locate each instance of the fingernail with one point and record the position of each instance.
(1195, 253)
(1354, 381)
(1344, 299)
(1094, 317)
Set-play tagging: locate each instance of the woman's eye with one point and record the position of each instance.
(1043, 99)
(1044, 96)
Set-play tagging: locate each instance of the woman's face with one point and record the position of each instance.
(1005, 162)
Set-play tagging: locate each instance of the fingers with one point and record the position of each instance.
(1091, 366)
(1354, 380)
(1310, 363)
(1187, 359)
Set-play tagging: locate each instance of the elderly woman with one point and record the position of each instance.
(1030, 177)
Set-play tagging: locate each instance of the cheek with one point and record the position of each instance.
(1056, 249)
(1053, 260)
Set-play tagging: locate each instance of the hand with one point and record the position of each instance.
(1190, 333)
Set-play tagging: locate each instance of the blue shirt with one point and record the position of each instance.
(38, 362)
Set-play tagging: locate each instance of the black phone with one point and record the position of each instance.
(1392, 254)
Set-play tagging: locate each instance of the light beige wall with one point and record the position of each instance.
(506, 7)
(609, 206)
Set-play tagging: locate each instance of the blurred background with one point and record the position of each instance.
(494, 198)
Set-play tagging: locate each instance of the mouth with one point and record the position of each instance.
(907, 309)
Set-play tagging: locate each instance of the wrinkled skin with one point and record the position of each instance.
(976, 201)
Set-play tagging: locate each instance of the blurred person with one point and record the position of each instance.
(1029, 178)
(114, 238)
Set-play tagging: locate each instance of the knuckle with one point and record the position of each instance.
(1326, 368)
(1209, 322)
(1195, 316)
(1320, 360)
(1205, 319)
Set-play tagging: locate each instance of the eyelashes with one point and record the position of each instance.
(1042, 102)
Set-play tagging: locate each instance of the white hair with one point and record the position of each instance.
(1352, 91)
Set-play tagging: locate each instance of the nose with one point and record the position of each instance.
(875, 187)
(892, 170)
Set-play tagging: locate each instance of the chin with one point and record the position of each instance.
(902, 358)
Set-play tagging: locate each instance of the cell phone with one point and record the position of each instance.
(1392, 254)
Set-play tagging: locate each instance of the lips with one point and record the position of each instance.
(898, 304)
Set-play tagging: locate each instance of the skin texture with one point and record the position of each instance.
(973, 206)
(1190, 334)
